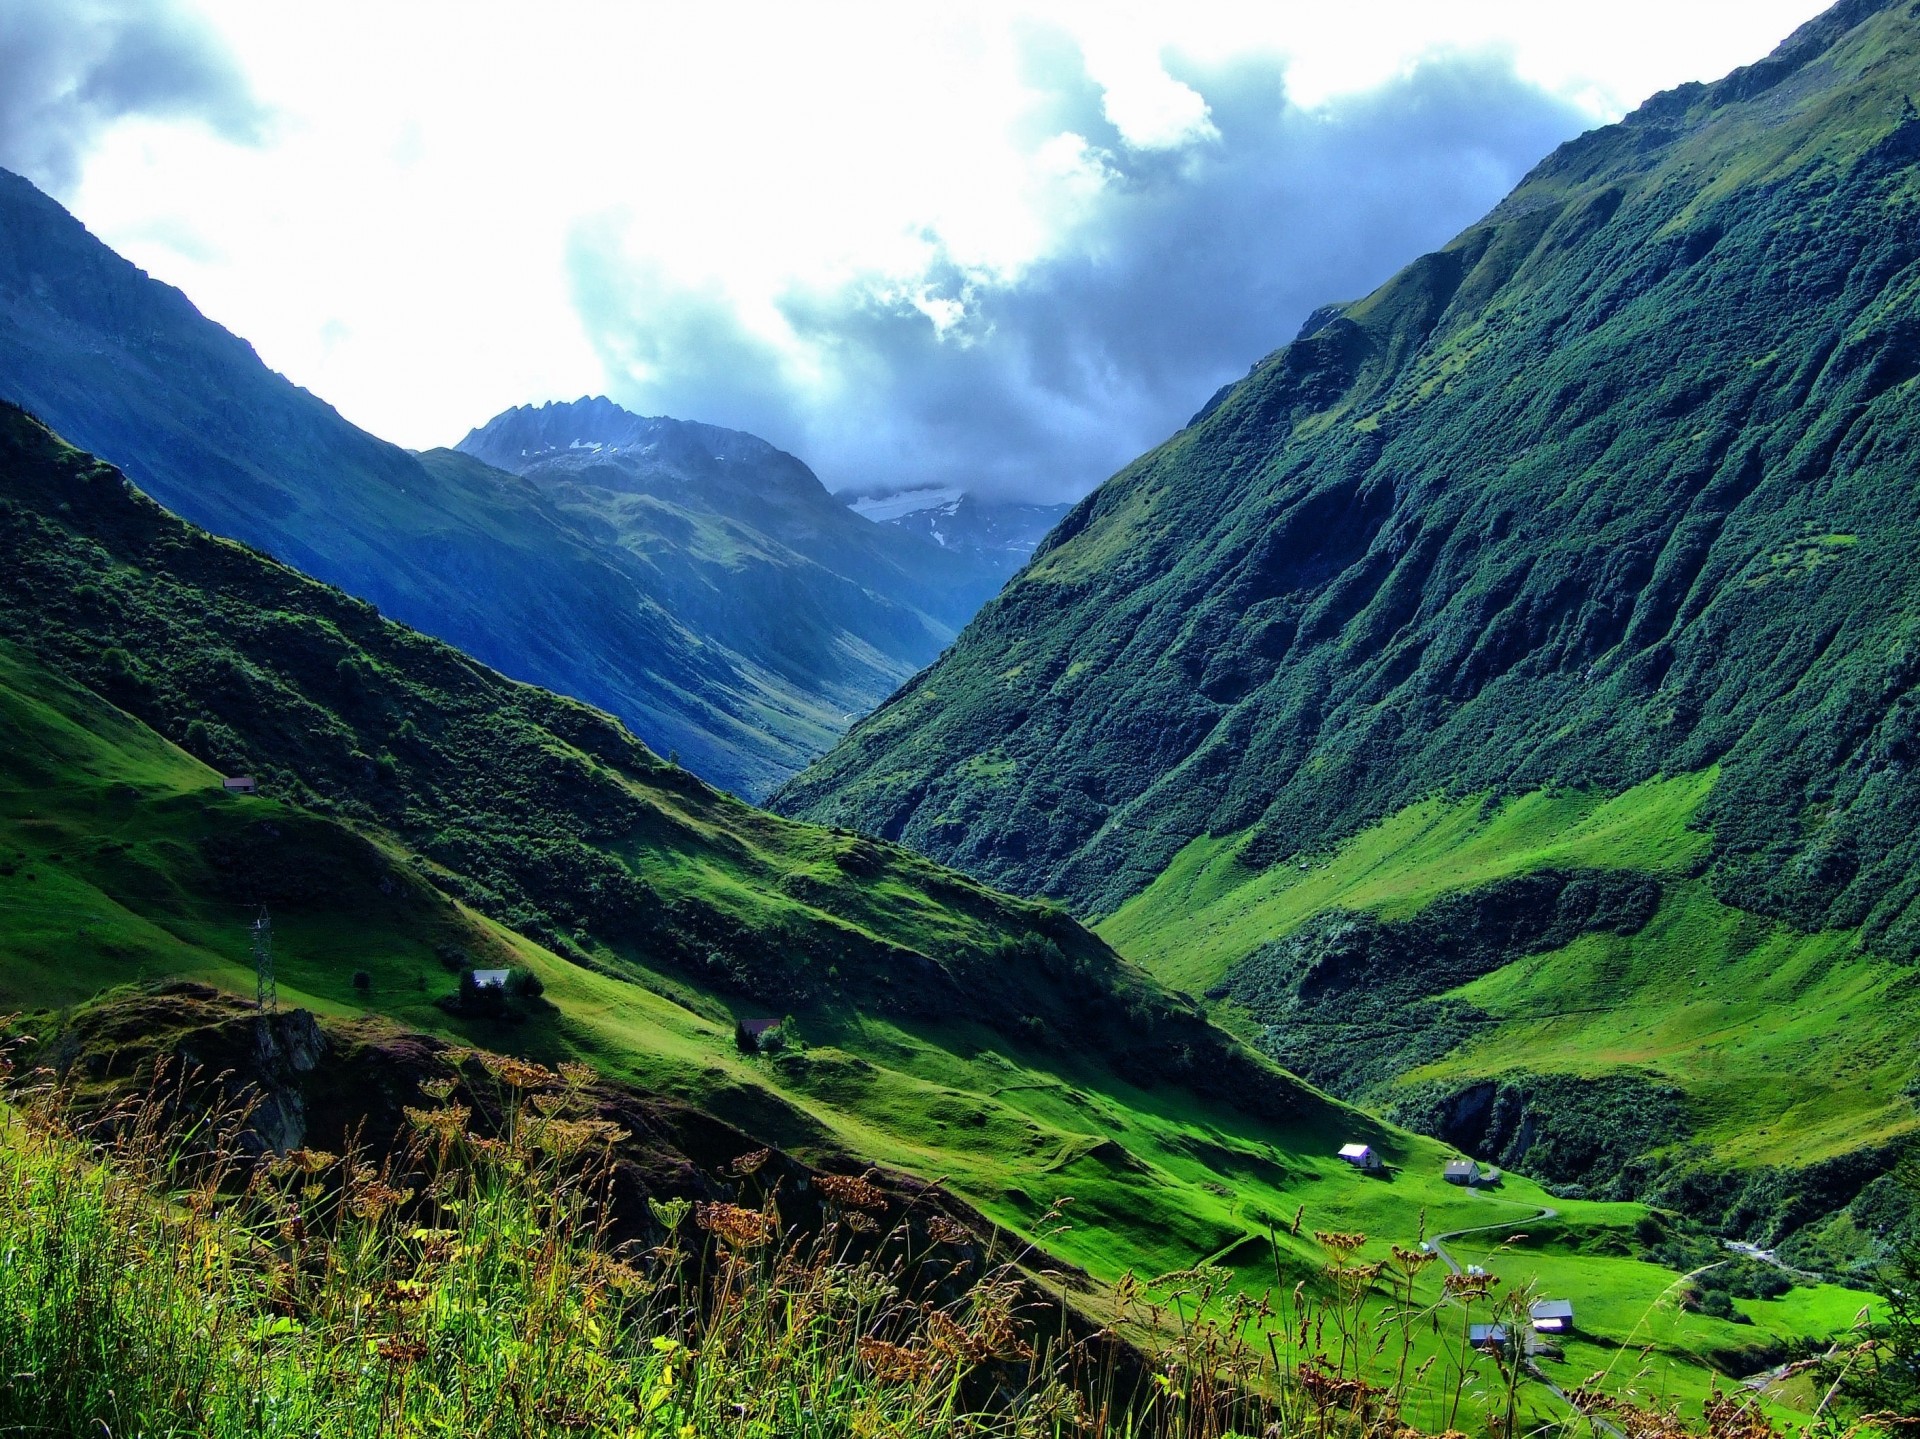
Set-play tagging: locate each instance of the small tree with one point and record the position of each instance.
(362, 981)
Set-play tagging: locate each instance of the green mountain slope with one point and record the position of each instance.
(795, 636)
(419, 813)
(1615, 487)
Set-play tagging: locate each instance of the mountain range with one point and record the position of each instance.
(650, 592)
(1502, 702)
(1487, 729)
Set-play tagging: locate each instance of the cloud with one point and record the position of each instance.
(70, 68)
(1184, 245)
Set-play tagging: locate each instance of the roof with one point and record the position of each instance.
(1355, 1151)
(491, 978)
(1462, 1166)
(1487, 1334)
(1553, 1309)
(758, 1027)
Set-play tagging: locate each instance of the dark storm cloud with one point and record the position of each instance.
(68, 68)
(1189, 265)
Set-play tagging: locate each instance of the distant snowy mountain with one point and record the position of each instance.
(1000, 533)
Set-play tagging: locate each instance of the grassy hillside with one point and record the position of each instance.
(419, 814)
(747, 664)
(1541, 625)
(1614, 486)
(1548, 981)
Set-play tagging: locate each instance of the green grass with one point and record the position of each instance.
(1158, 1179)
(1208, 908)
(1791, 1047)
(499, 1298)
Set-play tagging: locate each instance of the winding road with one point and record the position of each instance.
(1438, 1245)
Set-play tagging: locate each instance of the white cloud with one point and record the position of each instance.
(405, 237)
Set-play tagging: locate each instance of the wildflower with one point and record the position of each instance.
(894, 1363)
(943, 1230)
(735, 1227)
(750, 1163)
(521, 1073)
(852, 1190)
(399, 1351)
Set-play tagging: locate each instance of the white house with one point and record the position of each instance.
(1462, 1171)
(1360, 1156)
(490, 978)
(238, 784)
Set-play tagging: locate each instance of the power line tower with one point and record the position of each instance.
(266, 995)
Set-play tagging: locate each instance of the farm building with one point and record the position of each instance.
(239, 784)
(1462, 1171)
(490, 978)
(1488, 1336)
(1360, 1156)
(1553, 1316)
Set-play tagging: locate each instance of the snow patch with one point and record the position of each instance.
(882, 508)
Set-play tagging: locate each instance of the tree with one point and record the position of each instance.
(1885, 1377)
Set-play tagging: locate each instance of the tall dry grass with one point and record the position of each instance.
(157, 1277)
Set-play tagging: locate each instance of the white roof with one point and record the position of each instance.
(1355, 1151)
(491, 978)
(1553, 1309)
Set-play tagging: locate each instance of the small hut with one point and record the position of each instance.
(1360, 1156)
(1553, 1316)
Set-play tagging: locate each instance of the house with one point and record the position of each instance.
(490, 978)
(1553, 1316)
(1462, 1171)
(1487, 1336)
(1360, 1156)
(238, 784)
(759, 1028)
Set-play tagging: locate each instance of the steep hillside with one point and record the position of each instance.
(743, 545)
(745, 686)
(1616, 486)
(419, 816)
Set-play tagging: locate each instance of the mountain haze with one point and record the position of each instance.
(1003, 533)
(1582, 548)
(746, 655)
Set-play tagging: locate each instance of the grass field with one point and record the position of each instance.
(106, 833)
(1790, 1047)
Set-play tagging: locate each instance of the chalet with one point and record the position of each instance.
(238, 784)
(490, 978)
(1462, 1171)
(1360, 1156)
(1553, 1316)
(1487, 1336)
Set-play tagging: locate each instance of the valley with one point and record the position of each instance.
(1398, 911)
(128, 866)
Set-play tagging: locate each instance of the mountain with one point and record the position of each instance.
(745, 547)
(419, 817)
(746, 655)
(1503, 701)
(1004, 533)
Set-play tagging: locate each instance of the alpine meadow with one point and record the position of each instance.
(1401, 917)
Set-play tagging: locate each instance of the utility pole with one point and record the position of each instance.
(266, 995)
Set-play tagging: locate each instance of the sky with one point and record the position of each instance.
(1003, 247)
